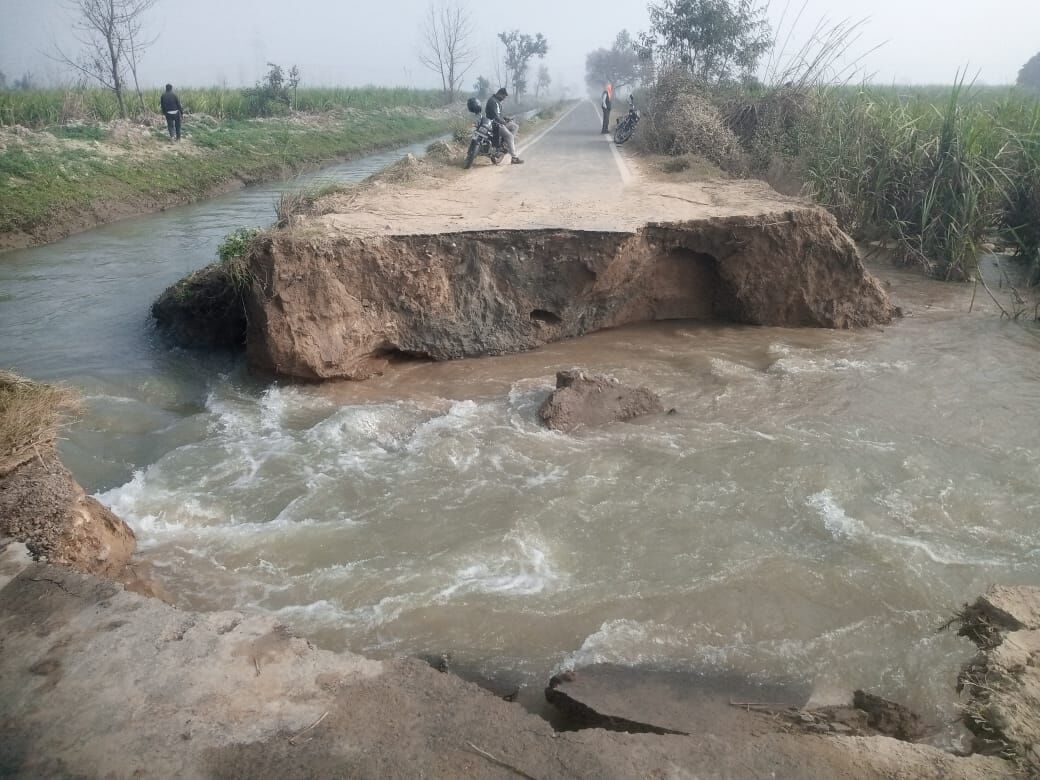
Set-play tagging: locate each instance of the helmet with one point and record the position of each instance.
(473, 106)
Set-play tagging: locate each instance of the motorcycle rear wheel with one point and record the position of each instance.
(496, 158)
(471, 154)
(624, 131)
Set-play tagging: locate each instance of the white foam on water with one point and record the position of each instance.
(633, 642)
(837, 523)
(522, 568)
(843, 527)
(790, 361)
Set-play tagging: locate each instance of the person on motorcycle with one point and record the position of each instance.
(506, 126)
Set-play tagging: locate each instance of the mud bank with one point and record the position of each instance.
(1003, 682)
(225, 695)
(345, 307)
(41, 504)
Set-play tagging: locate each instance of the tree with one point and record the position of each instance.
(714, 40)
(446, 45)
(618, 65)
(1029, 76)
(110, 32)
(482, 87)
(3, 80)
(543, 82)
(272, 95)
(520, 48)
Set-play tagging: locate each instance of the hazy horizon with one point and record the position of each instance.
(201, 44)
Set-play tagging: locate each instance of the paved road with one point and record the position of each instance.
(573, 155)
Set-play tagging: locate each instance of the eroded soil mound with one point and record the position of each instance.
(342, 306)
(589, 400)
(44, 507)
(1003, 681)
(41, 504)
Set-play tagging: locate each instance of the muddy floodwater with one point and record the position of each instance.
(812, 512)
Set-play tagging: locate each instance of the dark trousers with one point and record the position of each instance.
(173, 124)
(606, 121)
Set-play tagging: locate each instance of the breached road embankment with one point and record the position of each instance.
(355, 281)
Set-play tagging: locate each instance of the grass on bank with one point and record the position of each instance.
(39, 108)
(30, 417)
(41, 180)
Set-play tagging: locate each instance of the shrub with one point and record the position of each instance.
(680, 120)
(234, 253)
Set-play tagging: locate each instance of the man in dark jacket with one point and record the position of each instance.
(170, 105)
(507, 128)
(605, 103)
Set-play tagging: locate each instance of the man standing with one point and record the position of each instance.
(606, 101)
(508, 129)
(170, 105)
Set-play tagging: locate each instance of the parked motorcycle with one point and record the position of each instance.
(627, 126)
(486, 141)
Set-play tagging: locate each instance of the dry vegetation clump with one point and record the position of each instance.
(447, 152)
(31, 415)
(680, 120)
(771, 124)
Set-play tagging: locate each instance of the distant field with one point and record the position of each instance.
(39, 108)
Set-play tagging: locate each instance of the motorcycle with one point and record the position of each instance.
(627, 126)
(486, 141)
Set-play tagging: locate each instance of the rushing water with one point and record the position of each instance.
(816, 507)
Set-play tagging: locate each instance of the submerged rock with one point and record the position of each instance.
(581, 400)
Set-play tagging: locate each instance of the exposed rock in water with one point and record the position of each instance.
(636, 700)
(582, 400)
(44, 507)
(342, 306)
(1003, 681)
(205, 309)
(889, 718)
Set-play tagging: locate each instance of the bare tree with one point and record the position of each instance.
(446, 45)
(137, 43)
(110, 33)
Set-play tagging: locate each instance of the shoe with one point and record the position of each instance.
(517, 161)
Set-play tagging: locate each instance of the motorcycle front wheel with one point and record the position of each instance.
(624, 131)
(471, 154)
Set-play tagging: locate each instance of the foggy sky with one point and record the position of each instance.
(346, 42)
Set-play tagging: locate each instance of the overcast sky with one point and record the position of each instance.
(346, 42)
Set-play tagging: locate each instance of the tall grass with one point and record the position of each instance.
(47, 107)
(935, 180)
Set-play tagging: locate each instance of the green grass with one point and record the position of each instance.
(40, 108)
(40, 183)
(931, 172)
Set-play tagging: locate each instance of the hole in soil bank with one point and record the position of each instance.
(687, 286)
(547, 317)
